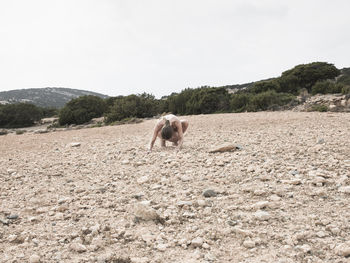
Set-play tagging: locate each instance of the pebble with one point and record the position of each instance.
(34, 259)
(77, 247)
(343, 249)
(344, 189)
(248, 243)
(209, 193)
(162, 247)
(262, 215)
(143, 179)
(145, 212)
(197, 242)
(201, 203)
(260, 205)
(74, 144)
(12, 217)
(139, 260)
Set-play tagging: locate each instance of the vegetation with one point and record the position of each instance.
(132, 106)
(19, 115)
(271, 94)
(319, 107)
(82, 110)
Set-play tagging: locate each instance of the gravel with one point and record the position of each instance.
(95, 195)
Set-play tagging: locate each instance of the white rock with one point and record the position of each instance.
(74, 144)
(344, 189)
(248, 243)
(343, 250)
(34, 259)
(197, 242)
(201, 202)
(261, 204)
(77, 247)
(262, 215)
(162, 247)
(143, 179)
(145, 212)
(140, 260)
(305, 248)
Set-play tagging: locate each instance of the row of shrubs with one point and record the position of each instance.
(23, 115)
(270, 94)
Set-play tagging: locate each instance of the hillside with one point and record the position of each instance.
(44, 97)
(94, 195)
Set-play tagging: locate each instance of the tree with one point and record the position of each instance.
(19, 115)
(81, 110)
(306, 75)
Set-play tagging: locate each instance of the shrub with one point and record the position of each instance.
(306, 75)
(132, 106)
(239, 102)
(19, 132)
(318, 107)
(82, 110)
(345, 90)
(3, 132)
(19, 115)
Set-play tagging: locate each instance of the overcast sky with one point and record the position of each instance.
(122, 47)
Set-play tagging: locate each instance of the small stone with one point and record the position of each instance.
(143, 179)
(249, 243)
(185, 178)
(75, 144)
(12, 217)
(197, 242)
(343, 250)
(162, 247)
(344, 189)
(321, 234)
(262, 215)
(139, 260)
(305, 248)
(260, 205)
(201, 203)
(209, 193)
(145, 212)
(183, 203)
(275, 198)
(205, 246)
(77, 247)
(34, 259)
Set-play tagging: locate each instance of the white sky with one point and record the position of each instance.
(122, 47)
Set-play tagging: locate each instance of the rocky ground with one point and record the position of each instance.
(95, 195)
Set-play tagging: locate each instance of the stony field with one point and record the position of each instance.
(95, 195)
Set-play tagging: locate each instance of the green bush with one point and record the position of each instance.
(240, 102)
(325, 87)
(306, 75)
(345, 90)
(132, 106)
(318, 107)
(265, 85)
(268, 100)
(82, 110)
(19, 115)
(19, 132)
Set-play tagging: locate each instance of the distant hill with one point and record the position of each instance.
(44, 97)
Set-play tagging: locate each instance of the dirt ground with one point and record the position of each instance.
(95, 195)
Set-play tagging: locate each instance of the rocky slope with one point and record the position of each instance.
(94, 195)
